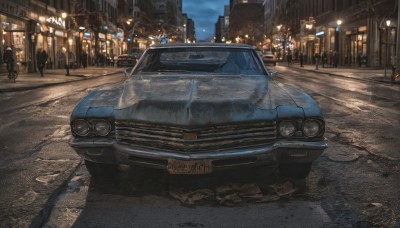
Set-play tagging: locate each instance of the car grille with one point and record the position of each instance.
(196, 139)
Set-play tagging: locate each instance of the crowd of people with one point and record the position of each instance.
(324, 59)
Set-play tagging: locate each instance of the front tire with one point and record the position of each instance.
(295, 170)
(101, 169)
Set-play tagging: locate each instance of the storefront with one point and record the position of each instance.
(13, 34)
(55, 41)
(87, 47)
(355, 46)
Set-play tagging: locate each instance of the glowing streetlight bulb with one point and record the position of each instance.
(388, 22)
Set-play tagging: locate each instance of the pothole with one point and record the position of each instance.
(47, 179)
(28, 198)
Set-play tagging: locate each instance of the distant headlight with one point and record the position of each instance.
(286, 128)
(81, 127)
(102, 127)
(311, 128)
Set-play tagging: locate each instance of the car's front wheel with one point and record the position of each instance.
(295, 170)
(101, 169)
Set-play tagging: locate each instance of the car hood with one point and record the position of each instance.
(190, 100)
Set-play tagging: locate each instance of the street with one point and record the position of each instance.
(353, 184)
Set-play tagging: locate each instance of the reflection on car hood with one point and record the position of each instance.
(202, 100)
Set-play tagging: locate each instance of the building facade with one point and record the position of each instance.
(64, 29)
(355, 30)
(102, 29)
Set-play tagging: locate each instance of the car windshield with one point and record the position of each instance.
(201, 59)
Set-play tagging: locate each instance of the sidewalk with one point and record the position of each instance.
(359, 73)
(52, 77)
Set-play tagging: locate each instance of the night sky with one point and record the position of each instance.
(205, 14)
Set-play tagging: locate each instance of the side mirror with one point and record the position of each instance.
(273, 73)
(127, 72)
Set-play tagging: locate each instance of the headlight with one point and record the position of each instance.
(81, 127)
(102, 127)
(286, 128)
(311, 128)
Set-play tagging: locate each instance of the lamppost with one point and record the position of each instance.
(67, 26)
(286, 38)
(79, 56)
(279, 27)
(388, 22)
(337, 44)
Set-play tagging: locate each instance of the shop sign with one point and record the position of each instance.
(120, 33)
(102, 36)
(362, 28)
(87, 35)
(58, 21)
(59, 33)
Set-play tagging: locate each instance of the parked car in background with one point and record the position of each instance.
(195, 109)
(269, 58)
(126, 60)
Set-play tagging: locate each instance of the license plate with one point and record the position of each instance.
(189, 167)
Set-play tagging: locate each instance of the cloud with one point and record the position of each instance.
(204, 14)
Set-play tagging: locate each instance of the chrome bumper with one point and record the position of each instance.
(109, 151)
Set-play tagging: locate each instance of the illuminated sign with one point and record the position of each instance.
(56, 21)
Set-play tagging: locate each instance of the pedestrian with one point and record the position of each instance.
(365, 58)
(41, 59)
(359, 60)
(289, 58)
(324, 59)
(330, 58)
(84, 59)
(301, 58)
(8, 57)
(335, 59)
(317, 57)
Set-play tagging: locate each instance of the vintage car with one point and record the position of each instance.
(195, 109)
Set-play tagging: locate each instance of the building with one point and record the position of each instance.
(28, 25)
(62, 28)
(100, 28)
(355, 30)
(191, 33)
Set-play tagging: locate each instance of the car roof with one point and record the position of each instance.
(179, 45)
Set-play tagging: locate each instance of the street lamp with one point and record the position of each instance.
(388, 22)
(337, 45)
(65, 17)
(79, 56)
